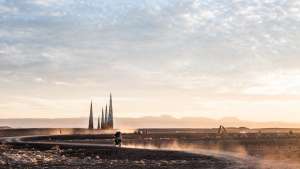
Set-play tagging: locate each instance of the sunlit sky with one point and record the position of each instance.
(210, 58)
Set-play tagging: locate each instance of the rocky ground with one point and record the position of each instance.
(12, 157)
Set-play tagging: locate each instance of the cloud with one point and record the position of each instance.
(276, 83)
(5, 9)
(196, 46)
(47, 3)
(39, 80)
(59, 83)
(215, 35)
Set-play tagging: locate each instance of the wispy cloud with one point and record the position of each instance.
(47, 2)
(144, 48)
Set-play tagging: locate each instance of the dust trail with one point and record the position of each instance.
(239, 156)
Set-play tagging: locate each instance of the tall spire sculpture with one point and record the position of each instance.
(91, 124)
(106, 118)
(98, 127)
(111, 117)
(102, 120)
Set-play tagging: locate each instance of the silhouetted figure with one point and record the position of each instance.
(118, 138)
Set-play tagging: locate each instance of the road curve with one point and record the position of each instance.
(122, 152)
(138, 152)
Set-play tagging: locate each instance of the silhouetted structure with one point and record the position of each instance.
(98, 127)
(107, 117)
(102, 120)
(222, 130)
(110, 113)
(91, 119)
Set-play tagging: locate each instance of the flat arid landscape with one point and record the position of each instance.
(149, 84)
(154, 148)
(145, 122)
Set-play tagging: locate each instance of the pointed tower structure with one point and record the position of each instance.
(98, 127)
(102, 120)
(106, 118)
(91, 123)
(111, 117)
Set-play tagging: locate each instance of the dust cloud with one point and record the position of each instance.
(238, 154)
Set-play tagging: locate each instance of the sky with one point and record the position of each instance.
(204, 58)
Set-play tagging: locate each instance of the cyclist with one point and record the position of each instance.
(118, 138)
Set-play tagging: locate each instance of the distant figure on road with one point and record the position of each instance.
(118, 138)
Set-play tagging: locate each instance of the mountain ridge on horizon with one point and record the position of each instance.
(164, 121)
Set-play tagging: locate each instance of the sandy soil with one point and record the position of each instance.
(142, 153)
(11, 157)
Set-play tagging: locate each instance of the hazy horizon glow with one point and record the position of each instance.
(207, 58)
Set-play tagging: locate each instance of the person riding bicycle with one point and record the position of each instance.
(118, 138)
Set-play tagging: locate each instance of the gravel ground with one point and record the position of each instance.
(12, 157)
